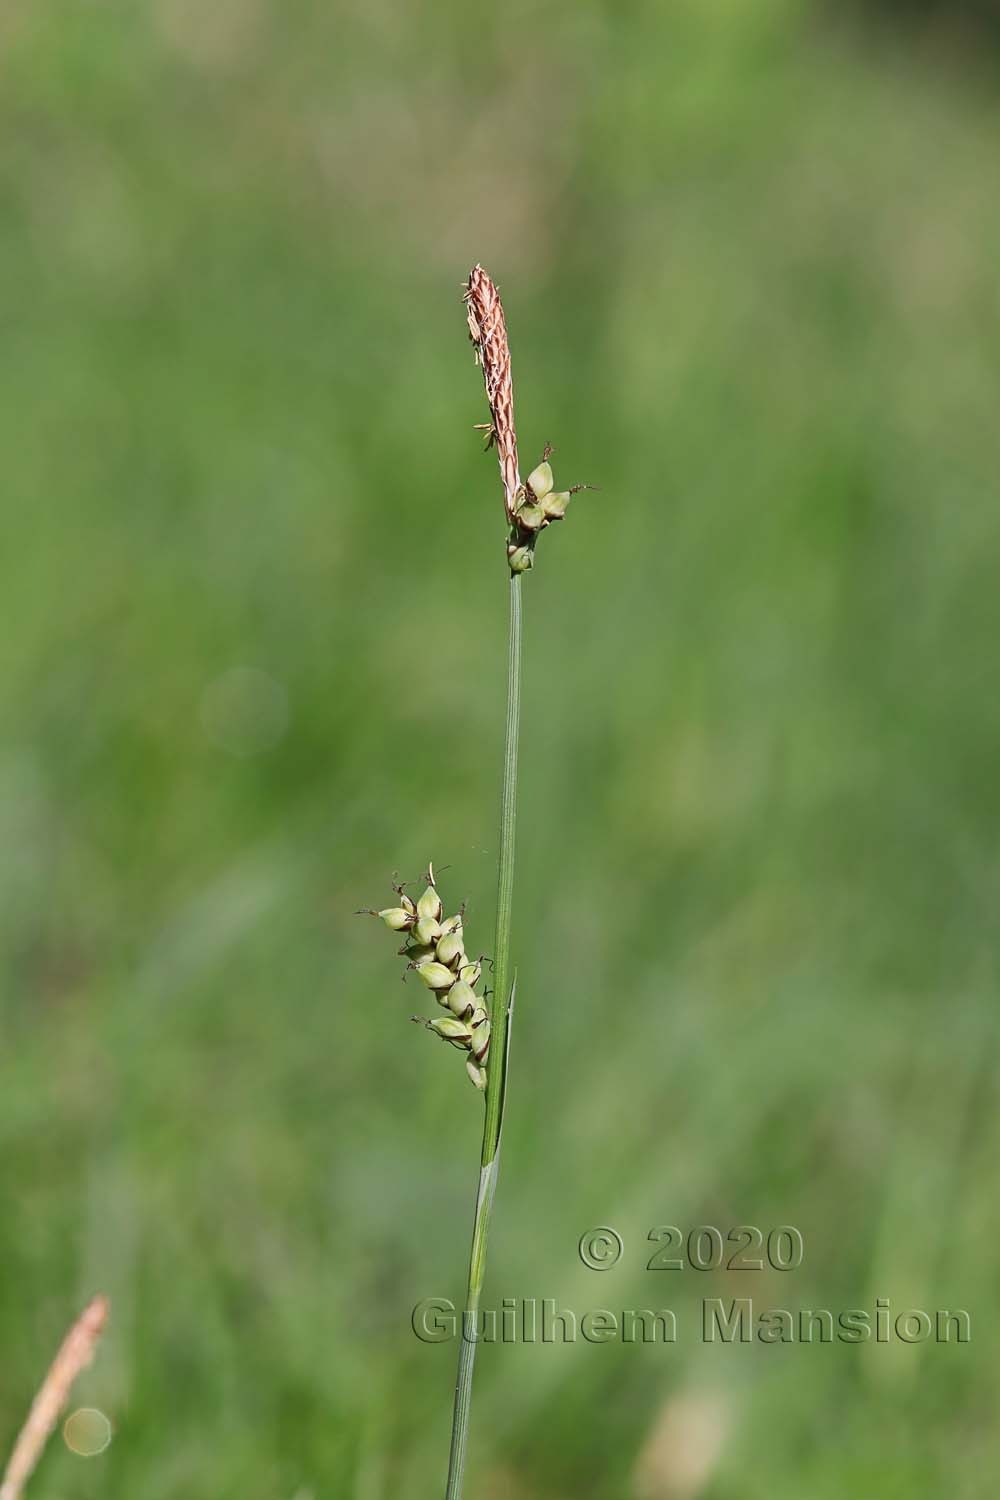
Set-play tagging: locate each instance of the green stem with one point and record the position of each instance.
(500, 1017)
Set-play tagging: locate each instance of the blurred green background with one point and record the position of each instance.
(253, 662)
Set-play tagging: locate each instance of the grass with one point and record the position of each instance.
(757, 863)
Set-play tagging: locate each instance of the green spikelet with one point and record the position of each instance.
(435, 948)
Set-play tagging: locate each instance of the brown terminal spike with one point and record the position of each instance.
(488, 331)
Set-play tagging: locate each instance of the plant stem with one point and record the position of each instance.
(500, 1017)
(505, 886)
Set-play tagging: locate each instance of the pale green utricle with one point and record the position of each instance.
(531, 517)
(397, 918)
(555, 504)
(427, 930)
(540, 480)
(429, 904)
(451, 1028)
(449, 948)
(436, 976)
(461, 998)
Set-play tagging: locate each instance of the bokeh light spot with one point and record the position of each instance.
(87, 1432)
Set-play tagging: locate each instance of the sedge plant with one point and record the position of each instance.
(434, 945)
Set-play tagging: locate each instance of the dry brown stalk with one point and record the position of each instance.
(75, 1354)
(488, 331)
